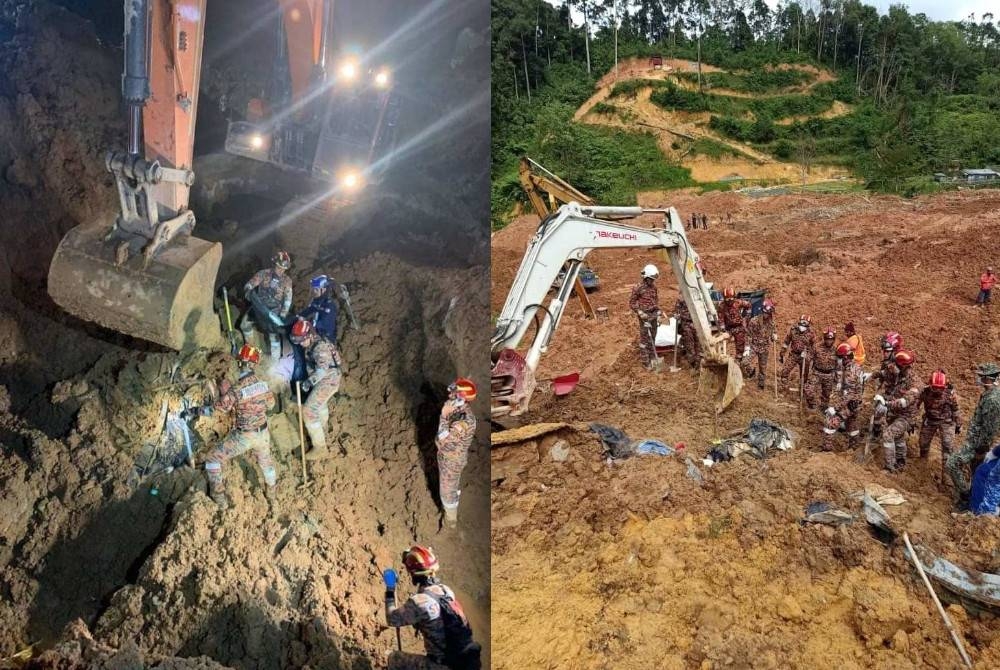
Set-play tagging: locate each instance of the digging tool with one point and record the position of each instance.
(802, 382)
(677, 345)
(230, 333)
(347, 306)
(399, 640)
(302, 437)
(866, 454)
(657, 361)
(944, 615)
(774, 349)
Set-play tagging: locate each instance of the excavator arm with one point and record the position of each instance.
(567, 237)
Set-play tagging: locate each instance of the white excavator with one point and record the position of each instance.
(565, 238)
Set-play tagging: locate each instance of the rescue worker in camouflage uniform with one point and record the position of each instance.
(941, 415)
(823, 375)
(688, 338)
(888, 374)
(843, 414)
(983, 428)
(251, 399)
(802, 344)
(900, 407)
(324, 367)
(762, 333)
(733, 311)
(274, 288)
(436, 614)
(645, 303)
(456, 429)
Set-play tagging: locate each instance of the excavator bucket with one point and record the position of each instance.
(725, 380)
(169, 302)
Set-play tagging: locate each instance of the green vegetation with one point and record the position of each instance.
(755, 81)
(708, 147)
(925, 94)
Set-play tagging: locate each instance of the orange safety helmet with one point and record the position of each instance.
(420, 561)
(248, 354)
(844, 350)
(938, 379)
(729, 293)
(768, 305)
(463, 388)
(904, 359)
(892, 341)
(829, 334)
(805, 318)
(282, 260)
(301, 330)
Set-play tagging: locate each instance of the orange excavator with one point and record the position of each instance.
(144, 274)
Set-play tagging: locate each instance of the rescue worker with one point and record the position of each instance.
(324, 367)
(854, 339)
(733, 311)
(940, 416)
(762, 333)
(802, 343)
(322, 311)
(888, 374)
(436, 614)
(823, 375)
(251, 399)
(688, 338)
(645, 302)
(983, 428)
(456, 429)
(986, 282)
(273, 288)
(843, 414)
(900, 407)
(985, 495)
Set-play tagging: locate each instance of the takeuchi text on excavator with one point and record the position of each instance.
(144, 274)
(566, 237)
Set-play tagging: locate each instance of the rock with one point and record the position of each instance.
(559, 451)
(789, 609)
(901, 641)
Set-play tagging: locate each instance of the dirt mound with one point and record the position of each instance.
(636, 561)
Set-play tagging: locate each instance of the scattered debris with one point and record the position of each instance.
(879, 520)
(618, 445)
(880, 494)
(693, 472)
(825, 513)
(760, 437)
(515, 435)
(982, 588)
(559, 451)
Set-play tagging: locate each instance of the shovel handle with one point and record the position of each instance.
(302, 433)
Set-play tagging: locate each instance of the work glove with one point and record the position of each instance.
(830, 411)
(774, 337)
(802, 355)
(306, 385)
(746, 351)
(878, 399)
(958, 429)
(781, 357)
(390, 578)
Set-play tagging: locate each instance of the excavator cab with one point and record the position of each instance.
(143, 274)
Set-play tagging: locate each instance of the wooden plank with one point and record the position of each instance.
(524, 433)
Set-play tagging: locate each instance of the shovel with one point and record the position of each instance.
(657, 361)
(865, 455)
(302, 437)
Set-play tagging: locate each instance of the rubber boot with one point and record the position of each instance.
(319, 449)
(901, 454)
(889, 454)
(218, 495)
(451, 517)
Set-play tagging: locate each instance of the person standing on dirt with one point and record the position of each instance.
(436, 614)
(900, 407)
(733, 312)
(843, 414)
(687, 337)
(823, 376)
(941, 415)
(888, 374)
(704, 221)
(857, 344)
(322, 311)
(983, 428)
(251, 399)
(269, 292)
(645, 303)
(801, 343)
(762, 333)
(986, 282)
(456, 428)
(324, 367)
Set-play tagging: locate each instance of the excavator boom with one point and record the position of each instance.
(566, 237)
(143, 274)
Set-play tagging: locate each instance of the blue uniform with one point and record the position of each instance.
(985, 495)
(322, 311)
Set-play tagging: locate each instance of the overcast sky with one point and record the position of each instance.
(939, 10)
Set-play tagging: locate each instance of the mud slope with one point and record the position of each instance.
(637, 566)
(99, 571)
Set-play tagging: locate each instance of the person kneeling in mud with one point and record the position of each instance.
(251, 399)
(436, 614)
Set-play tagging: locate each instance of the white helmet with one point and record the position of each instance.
(650, 271)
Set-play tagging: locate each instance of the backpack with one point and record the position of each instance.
(461, 651)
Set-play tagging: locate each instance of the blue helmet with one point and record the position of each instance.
(320, 282)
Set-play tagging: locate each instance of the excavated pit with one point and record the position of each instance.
(97, 571)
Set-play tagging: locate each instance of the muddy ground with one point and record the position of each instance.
(98, 571)
(634, 565)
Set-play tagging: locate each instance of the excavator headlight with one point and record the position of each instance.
(348, 70)
(382, 78)
(350, 180)
(257, 141)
